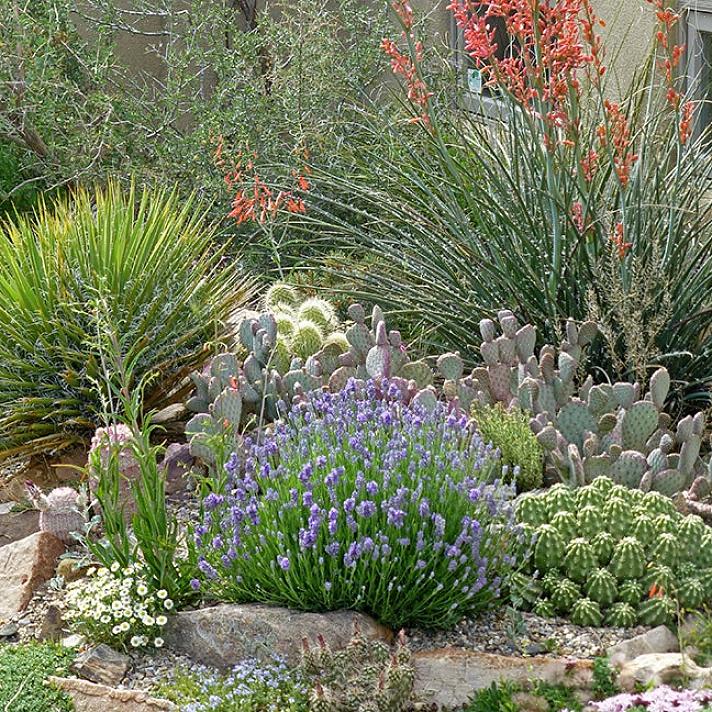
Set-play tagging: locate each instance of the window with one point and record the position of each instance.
(478, 97)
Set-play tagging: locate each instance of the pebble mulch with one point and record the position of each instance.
(508, 632)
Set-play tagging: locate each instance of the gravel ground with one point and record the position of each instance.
(509, 632)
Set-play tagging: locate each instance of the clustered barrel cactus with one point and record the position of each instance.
(605, 553)
(365, 676)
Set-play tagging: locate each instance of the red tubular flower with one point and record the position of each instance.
(685, 128)
(619, 241)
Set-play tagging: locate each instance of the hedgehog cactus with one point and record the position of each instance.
(620, 558)
(363, 675)
(62, 511)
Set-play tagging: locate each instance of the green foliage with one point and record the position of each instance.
(495, 698)
(249, 687)
(149, 258)
(23, 671)
(501, 697)
(274, 87)
(633, 578)
(509, 432)
(604, 680)
(151, 540)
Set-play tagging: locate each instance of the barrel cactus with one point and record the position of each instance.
(617, 559)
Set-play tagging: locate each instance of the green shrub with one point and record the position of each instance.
(23, 671)
(149, 258)
(509, 432)
(356, 501)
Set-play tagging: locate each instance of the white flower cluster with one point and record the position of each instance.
(116, 606)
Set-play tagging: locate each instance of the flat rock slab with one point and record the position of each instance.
(90, 697)
(449, 676)
(223, 636)
(24, 566)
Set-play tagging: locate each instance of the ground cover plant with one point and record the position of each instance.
(574, 204)
(23, 672)
(356, 501)
(608, 554)
(150, 259)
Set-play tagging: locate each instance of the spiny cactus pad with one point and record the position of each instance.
(619, 559)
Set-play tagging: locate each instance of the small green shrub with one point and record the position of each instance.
(501, 697)
(495, 698)
(510, 433)
(604, 680)
(150, 260)
(23, 671)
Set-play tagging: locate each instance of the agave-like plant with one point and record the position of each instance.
(574, 205)
(146, 256)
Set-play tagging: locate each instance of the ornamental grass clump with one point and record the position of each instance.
(355, 501)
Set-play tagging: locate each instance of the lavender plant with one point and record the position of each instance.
(358, 501)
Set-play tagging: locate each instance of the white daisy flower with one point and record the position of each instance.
(158, 642)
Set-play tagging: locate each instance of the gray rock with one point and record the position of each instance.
(447, 677)
(224, 635)
(656, 669)
(101, 664)
(24, 566)
(8, 630)
(17, 525)
(90, 697)
(177, 463)
(656, 640)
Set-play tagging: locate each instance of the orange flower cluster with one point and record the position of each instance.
(656, 591)
(617, 131)
(403, 65)
(560, 34)
(685, 128)
(254, 200)
(619, 241)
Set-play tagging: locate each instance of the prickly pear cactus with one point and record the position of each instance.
(588, 431)
(604, 553)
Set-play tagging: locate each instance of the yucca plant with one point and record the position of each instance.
(574, 204)
(148, 256)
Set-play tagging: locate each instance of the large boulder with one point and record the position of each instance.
(655, 669)
(224, 635)
(24, 566)
(90, 697)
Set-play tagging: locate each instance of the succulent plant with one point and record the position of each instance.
(362, 677)
(62, 511)
(620, 558)
(377, 353)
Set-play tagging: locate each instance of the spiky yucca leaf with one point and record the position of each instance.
(151, 261)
